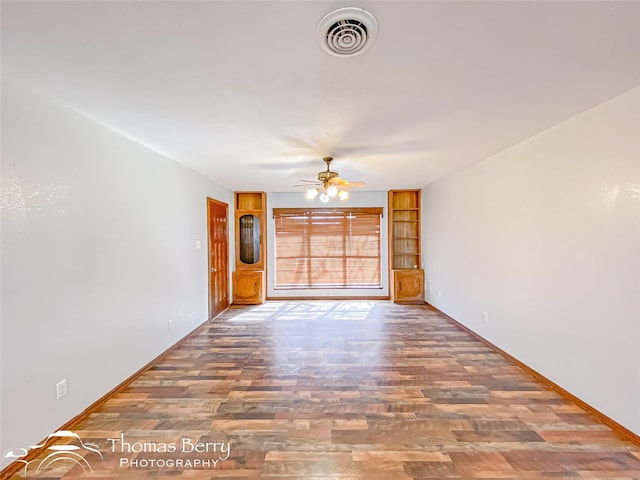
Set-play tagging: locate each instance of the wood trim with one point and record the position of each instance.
(15, 466)
(311, 297)
(327, 211)
(596, 414)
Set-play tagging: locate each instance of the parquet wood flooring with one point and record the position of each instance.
(365, 390)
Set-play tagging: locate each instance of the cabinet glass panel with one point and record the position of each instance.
(249, 226)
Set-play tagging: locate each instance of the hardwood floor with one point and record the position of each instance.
(342, 390)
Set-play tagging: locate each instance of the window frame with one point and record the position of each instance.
(348, 278)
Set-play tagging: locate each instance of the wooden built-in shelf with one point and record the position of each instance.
(249, 279)
(250, 201)
(405, 273)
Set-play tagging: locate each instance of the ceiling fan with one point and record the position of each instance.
(329, 184)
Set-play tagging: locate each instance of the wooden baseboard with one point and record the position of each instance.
(597, 415)
(14, 467)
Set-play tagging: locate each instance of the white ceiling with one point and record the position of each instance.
(243, 93)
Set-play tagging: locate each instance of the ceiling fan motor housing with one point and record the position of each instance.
(326, 176)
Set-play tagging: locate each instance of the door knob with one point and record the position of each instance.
(213, 270)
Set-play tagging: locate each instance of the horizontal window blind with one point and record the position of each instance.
(327, 248)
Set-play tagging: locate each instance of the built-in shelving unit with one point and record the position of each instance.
(250, 222)
(405, 271)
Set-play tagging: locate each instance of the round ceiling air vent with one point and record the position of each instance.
(347, 31)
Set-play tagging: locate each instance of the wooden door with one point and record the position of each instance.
(217, 216)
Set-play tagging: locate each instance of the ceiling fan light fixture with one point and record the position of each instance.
(330, 185)
(332, 191)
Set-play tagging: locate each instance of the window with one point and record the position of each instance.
(327, 248)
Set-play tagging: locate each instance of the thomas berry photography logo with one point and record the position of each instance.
(186, 454)
(69, 453)
(64, 451)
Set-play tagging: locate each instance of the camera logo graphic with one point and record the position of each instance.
(73, 452)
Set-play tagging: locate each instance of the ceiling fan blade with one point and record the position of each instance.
(346, 183)
(292, 164)
(310, 181)
(297, 142)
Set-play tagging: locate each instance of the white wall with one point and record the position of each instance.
(98, 255)
(544, 237)
(298, 200)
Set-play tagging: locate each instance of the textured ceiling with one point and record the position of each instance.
(243, 93)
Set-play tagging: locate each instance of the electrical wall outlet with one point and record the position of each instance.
(170, 325)
(61, 388)
(485, 316)
(439, 293)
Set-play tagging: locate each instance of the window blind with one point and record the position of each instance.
(327, 248)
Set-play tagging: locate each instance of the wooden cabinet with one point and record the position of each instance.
(250, 224)
(405, 272)
(408, 286)
(248, 287)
